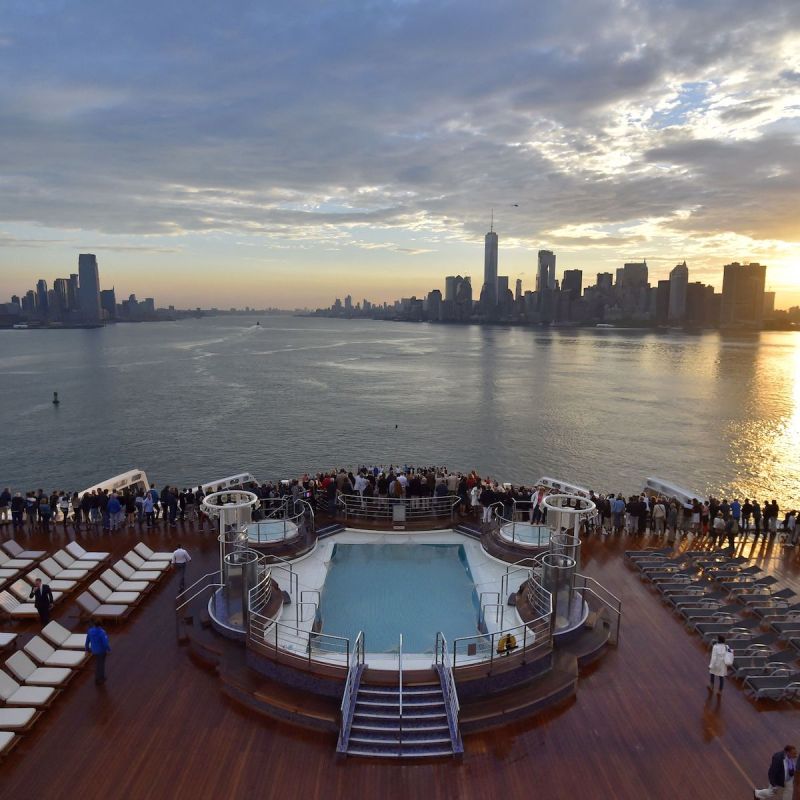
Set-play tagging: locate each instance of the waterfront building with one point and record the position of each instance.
(573, 283)
(546, 272)
(42, 305)
(60, 307)
(108, 303)
(89, 287)
(489, 291)
(29, 303)
(769, 305)
(605, 280)
(678, 281)
(518, 290)
(72, 292)
(743, 295)
(433, 305)
(450, 288)
(662, 302)
(634, 275)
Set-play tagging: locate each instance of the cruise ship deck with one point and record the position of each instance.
(642, 724)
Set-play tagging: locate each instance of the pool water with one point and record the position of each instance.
(389, 589)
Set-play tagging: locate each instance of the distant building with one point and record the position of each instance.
(743, 295)
(42, 306)
(634, 275)
(489, 291)
(662, 302)
(573, 283)
(546, 272)
(433, 305)
(678, 283)
(450, 288)
(769, 305)
(89, 288)
(108, 303)
(72, 292)
(605, 280)
(61, 298)
(518, 290)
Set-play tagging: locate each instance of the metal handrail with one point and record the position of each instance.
(400, 696)
(608, 600)
(499, 613)
(299, 617)
(179, 606)
(260, 625)
(381, 508)
(502, 521)
(355, 660)
(448, 686)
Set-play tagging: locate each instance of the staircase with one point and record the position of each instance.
(378, 730)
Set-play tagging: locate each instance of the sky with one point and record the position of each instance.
(285, 153)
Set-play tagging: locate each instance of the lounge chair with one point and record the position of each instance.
(118, 584)
(702, 614)
(709, 630)
(48, 656)
(68, 562)
(7, 639)
(7, 574)
(56, 571)
(764, 663)
(775, 687)
(752, 643)
(8, 562)
(8, 741)
(17, 719)
(137, 562)
(150, 555)
(777, 610)
(634, 555)
(55, 584)
(746, 584)
(74, 549)
(92, 607)
(123, 568)
(15, 551)
(11, 606)
(698, 598)
(26, 671)
(22, 591)
(764, 595)
(106, 595)
(16, 695)
(59, 636)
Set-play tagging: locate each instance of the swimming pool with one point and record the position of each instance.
(389, 589)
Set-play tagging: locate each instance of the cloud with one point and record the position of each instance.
(363, 124)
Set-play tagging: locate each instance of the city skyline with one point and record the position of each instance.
(375, 140)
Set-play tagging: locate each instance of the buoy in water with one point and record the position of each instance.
(56, 401)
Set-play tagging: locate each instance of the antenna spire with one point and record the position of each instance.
(491, 229)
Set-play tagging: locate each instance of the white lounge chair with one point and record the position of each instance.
(48, 656)
(59, 636)
(105, 595)
(15, 551)
(137, 562)
(26, 671)
(92, 607)
(17, 719)
(130, 574)
(11, 606)
(22, 591)
(119, 585)
(8, 741)
(56, 571)
(150, 555)
(74, 549)
(6, 639)
(15, 695)
(55, 584)
(9, 562)
(68, 562)
(7, 574)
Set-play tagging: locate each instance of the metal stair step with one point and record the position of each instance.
(394, 753)
(362, 726)
(395, 741)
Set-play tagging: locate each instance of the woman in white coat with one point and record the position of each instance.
(717, 666)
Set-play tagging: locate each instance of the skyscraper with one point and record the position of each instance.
(42, 305)
(634, 275)
(743, 295)
(450, 288)
(678, 283)
(573, 282)
(72, 292)
(490, 268)
(546, 273)
(89, 291)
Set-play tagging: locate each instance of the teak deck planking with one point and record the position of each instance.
(642, 726)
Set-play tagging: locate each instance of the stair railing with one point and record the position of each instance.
(354, 669)
(449, 691)
(400, 696)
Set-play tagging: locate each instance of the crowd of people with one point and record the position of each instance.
(471, 495)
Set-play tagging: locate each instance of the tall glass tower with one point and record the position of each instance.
(89, 287)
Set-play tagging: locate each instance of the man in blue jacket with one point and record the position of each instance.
(97, 644)
(781, 775)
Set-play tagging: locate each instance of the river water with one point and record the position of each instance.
(200, 399)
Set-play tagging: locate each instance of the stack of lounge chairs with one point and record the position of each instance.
(715, 595)
(33, 677)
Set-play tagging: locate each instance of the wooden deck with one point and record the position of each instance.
(642, 726)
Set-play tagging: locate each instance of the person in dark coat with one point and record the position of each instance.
(42, 599)
(780, 775)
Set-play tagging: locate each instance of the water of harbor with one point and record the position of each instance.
(196, 400)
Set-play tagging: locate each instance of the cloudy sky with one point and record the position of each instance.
(283, 153)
